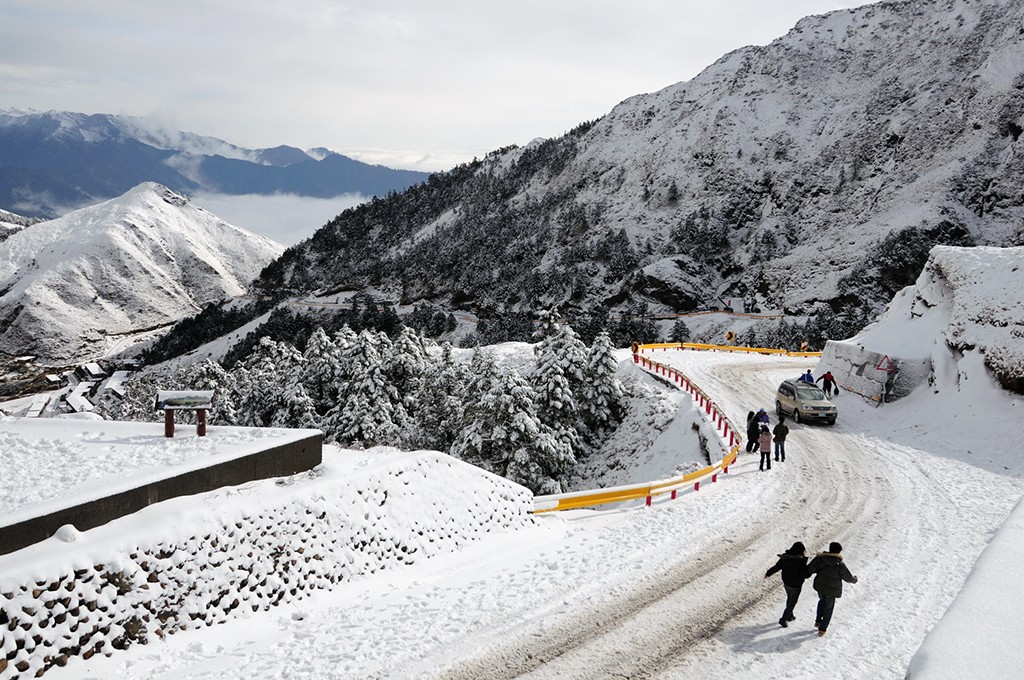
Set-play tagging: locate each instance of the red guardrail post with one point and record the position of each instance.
(696, 485)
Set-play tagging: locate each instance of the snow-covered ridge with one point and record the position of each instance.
(194, 562)
(82, 285)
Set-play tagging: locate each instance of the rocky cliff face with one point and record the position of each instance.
(94, 281)
(811, 175)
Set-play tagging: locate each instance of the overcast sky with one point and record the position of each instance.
(419, 85)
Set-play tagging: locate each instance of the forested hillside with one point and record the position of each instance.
(809, 176)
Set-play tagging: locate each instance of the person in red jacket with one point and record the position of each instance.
(829, 383)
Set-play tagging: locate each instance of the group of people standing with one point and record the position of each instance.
(829, 572)
(760, 438)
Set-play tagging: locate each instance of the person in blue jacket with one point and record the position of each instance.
(807, 377)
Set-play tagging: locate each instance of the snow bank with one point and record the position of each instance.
(987, 609)
(967, 301)
(197, 561)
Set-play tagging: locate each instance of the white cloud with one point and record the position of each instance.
(285, 218)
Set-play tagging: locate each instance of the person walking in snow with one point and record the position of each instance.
(830, 572)
(807, 377)
(779, 435)
(764, 439)
(793, 565)
(829, 384)
(753, 431)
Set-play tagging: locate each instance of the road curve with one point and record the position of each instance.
(648, 630)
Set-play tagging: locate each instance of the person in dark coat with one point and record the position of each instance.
(830, 572)
(793, 565)
(764, 440)
(753, 430)
(829, 383)
(780, 432)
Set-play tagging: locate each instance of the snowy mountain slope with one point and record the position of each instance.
(56, 160)
(70, 287)
(11, 223)
(810, 175)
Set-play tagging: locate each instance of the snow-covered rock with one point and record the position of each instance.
(962, 319)
(90, 282)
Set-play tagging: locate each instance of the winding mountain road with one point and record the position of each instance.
(711, 608)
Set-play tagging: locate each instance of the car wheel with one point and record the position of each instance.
(778, 408)
(796, 415)
(832, 421)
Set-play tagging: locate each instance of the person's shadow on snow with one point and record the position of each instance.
(747, 639)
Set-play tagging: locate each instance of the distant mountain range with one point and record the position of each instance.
(54, 161)
(101, 278)
(811, 176)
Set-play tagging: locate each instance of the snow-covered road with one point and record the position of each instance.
(674, 591)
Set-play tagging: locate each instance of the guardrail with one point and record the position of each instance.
(725, 348)
(650, 490)
(618, 494)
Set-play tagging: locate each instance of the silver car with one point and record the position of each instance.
(805, 402)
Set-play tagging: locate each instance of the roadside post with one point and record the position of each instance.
(170, 401)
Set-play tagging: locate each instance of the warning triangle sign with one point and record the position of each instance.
(885, 364)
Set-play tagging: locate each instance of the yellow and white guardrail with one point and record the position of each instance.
(650, 490)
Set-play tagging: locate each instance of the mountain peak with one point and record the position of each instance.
(86, 284)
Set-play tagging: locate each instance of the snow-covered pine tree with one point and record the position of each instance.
(559, 374)
(299, 408)
(680, 332)
(274, 368)
(502, 433)
(405, 364)
(320, 370)
(601, 394)
(441, 401)
(368, 411)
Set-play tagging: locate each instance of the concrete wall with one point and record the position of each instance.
(279, 461)
(854, 367)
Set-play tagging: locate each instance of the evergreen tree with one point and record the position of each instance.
(441, 402)
(210, 375)
(559, 373)
(368, 411)
(680, 332)
(405, 364)
(502, 433)
(320, 371)
(601, 396)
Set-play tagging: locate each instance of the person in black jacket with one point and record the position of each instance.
(831, 572)
(793, 565)
(753, 431)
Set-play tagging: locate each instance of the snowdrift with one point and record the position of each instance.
(965, 314)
